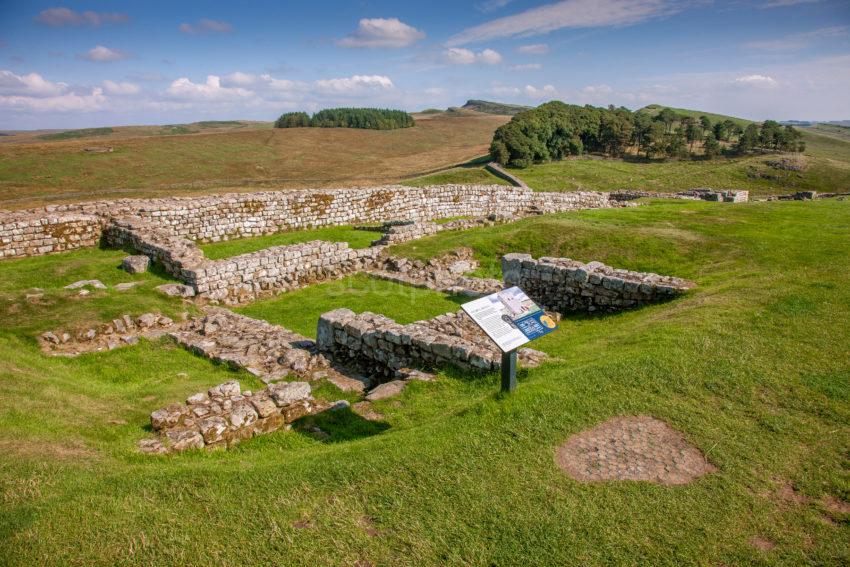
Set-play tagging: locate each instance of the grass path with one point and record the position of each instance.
(753, 366)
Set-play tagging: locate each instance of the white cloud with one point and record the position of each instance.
(491, 5)
(544, 92)
(504, 91)
(68, 102)
(534, 49)
(59, 17)
(784, 3)
(121, 89)
(206, 25)
(355, 84)
(382, 32)
(797, 40)
(102, 54)
(240, 79)
(211, 90)
(762, 81)
(32, 84)
(461, 56)
(566, 14)
(527, 67)
(597, 90)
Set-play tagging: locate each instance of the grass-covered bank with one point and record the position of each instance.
(752, 365)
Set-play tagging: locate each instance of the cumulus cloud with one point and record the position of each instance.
(762, 81)
(597, 89)
(59, 17)
(211, 90)
(534, 49)
(566, 14)
(355, 84)
(121, 89)
(461, 56)
(32, 84)
(102, 54)
(263, 82)
(382, 32)
(204, 26)
(542, 92)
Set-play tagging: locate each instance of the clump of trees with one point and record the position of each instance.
(369, 118)
(555, 130)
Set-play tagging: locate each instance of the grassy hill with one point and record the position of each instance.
(489, 107)
(751, 365)
(654, 109)
(240, 157)
(826, 159)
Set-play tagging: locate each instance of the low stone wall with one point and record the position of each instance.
(245, 277)
(444, 273)
(36, 234)
(225, 415)
(235, 215)
(565, 285)
(378, 345)
(724, 196)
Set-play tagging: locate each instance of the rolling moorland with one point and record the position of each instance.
(443, 147)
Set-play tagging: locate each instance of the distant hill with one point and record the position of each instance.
(488, 107)
(654, 109)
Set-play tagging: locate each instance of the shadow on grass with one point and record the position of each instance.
(338, 426)
(155, 268)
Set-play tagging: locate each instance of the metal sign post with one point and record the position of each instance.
(511, 319)
(509, 371)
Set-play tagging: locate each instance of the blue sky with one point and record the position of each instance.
(78, 64)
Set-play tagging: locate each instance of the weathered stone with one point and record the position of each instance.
(213, 429)
(176, 290)
(285, 393)
(96, 284)
(182, 439)
(264, 406)
(135, 264)
(166, 417)
(386, 390)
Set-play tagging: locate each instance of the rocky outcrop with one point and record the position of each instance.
(565, 285)
(225, 415)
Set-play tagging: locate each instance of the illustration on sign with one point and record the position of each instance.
(510, 318)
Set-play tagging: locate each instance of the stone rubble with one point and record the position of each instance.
(225, 415)
(444, 273)
(96, 284)
(698, 194)
(123, 331)
(267, 351)
(135, 264)
(565, 285)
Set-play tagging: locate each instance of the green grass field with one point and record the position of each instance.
(752, 365)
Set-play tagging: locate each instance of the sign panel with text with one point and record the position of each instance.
(510, 318)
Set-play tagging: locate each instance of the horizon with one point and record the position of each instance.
(94, 64)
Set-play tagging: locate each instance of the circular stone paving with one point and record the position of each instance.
(632, 448)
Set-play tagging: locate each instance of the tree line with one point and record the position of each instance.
(555, 130)
(369, 118)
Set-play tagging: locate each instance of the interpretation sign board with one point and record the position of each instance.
(510, 318)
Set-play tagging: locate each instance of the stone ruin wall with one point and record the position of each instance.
(566, 285)
(245, 277)
(378, 344)
(59, 228)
